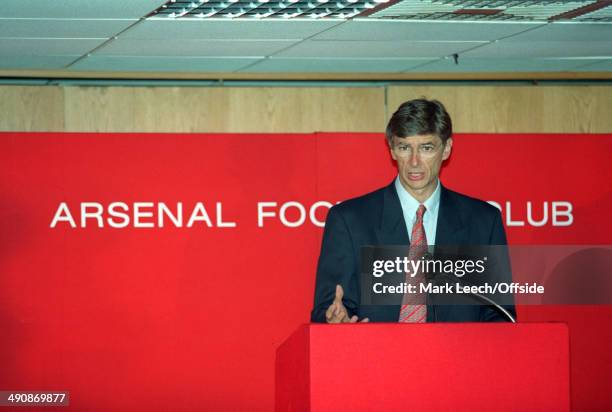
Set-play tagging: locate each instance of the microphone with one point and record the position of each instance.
(495, 304)
(490, 302)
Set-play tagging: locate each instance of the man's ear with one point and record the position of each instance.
(390, 144)
(448, 147)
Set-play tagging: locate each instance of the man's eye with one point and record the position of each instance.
(427, 148)
(403, 148)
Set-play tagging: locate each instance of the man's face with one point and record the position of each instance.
(419, 159)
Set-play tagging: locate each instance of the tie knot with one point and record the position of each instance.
(420, 212)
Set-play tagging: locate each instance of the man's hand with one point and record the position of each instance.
(337, 313)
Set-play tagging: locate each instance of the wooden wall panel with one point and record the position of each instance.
(31, 108)
(143, 109)
(517, 109)
(474, 108)
(586, 109)
(236, 109)
(307, 109)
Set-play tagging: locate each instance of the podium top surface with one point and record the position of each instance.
(488, 331)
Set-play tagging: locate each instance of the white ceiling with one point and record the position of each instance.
(114, 36)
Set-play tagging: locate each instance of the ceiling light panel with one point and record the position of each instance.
(465, 10)
(264, 9)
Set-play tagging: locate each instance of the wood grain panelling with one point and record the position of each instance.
(31, 108)
(474, 108)
(307, 109)
(517, 109)
(236, 109)
(579, 109)
(143, 109)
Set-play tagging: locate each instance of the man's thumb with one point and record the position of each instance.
(339, 294)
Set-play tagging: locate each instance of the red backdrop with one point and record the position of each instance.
(165, 318)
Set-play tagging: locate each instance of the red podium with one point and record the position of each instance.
(424, 367)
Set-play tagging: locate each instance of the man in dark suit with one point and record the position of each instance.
(415, 208)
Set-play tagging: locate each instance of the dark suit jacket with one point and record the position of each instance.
(377, 219)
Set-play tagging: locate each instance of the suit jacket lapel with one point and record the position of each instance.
(393, 229)
(450, 229)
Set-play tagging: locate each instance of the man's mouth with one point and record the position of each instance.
(416, 176)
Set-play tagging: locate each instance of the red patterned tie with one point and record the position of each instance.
(414, 309)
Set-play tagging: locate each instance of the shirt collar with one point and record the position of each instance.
(410, 204)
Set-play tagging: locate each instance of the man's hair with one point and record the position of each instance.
(419, 117)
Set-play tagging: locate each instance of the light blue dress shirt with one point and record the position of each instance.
(410, 206)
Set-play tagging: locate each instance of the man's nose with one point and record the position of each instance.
(414, 158)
